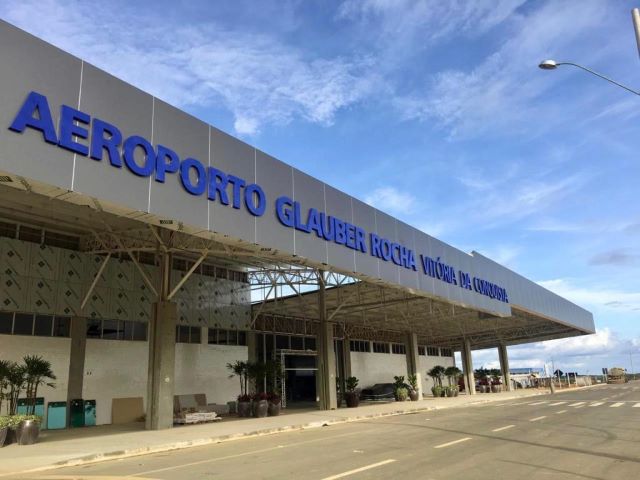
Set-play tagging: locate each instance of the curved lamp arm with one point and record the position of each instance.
(601, 76)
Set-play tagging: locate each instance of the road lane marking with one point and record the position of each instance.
(244, 454)
(561, 411)
(358, 470)
(576, 404)
(453, 443)
(537, 418)
(557, 403)
(617, 404)
(502, 428)
(538, 403)
(596, 404)
(637, 405)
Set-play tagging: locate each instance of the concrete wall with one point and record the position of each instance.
(427, 363)
(56, 350)
(372, 368)
(115, 369)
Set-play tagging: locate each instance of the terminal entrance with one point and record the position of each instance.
(297, 357)
(299, 378)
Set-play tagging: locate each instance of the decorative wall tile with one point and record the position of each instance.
(44, 261)
(15, 257)
(42, 295)
(69, 297)
(13, 292)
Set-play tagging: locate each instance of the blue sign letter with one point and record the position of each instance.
(26, 117)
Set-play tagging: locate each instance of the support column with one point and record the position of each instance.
(504, 366)
(346, 357)
(77, 351)
(325, 359)
(160, 380)
(467, 367)
(252, 347)
(413, 359)
(162, 350)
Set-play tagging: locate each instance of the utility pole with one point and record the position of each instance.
(635, 16)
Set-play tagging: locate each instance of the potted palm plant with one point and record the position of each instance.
(275, 402)
(481, 374)
(452, 374)
(274, 385)
(5, 365)
(37, 371)
(398, 384)
(239, 369)
(6, 423)
(260, 405)
(15, 379)
(27, 428)
(352, 396)
(413, 383)
(496, 380)
(436, 374)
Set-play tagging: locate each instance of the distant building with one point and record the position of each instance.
(526, 371)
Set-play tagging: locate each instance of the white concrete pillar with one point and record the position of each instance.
(413, 359)
(467, 367)
(160, 380)
(162, 353)
(252, 347)
(325, 359)
(346, 357)
(504, 366)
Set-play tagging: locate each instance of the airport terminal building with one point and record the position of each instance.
(142, 250)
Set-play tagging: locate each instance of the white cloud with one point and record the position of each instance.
(503, 93)
(259, 79)
(402, 21)
(390, 199)
(503, 254)
(590, 352)
(600, 297)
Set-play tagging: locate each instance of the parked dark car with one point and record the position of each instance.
(379, 391)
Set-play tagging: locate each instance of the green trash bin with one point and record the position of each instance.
(23, 405)
(76, 413)
(56, 415)
(89, 413)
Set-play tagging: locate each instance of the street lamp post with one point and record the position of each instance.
(552, 65)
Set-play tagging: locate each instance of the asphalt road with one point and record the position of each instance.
(587, 434)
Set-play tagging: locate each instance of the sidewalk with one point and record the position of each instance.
(94, 444)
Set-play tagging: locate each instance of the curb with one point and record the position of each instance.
(120, 454)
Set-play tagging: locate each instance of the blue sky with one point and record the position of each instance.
(433, 111)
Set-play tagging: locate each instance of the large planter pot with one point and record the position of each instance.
(260, 408)
(414, 396)
(456, 392)
(496, 388)
(244, 409)
(352, 399)
(449, 392)
(27, 432)
(274, 409)
(3, 436)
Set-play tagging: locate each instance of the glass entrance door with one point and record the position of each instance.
(299, 377)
